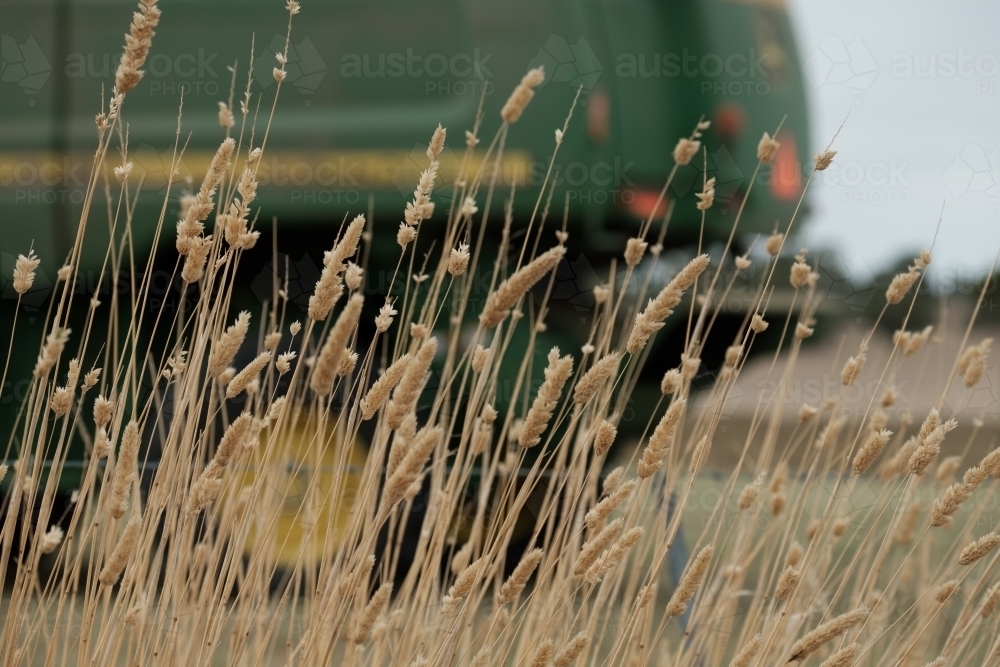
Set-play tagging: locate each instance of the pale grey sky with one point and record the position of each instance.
(921, 82)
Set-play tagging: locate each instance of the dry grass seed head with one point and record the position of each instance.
(381, 388)
(660, 440)
(518, 100)
(464, 583)
(671, 381)
(745, 655)
(120, 555)
(125, 471)
(411, 383)
(556, 373)
(794, 555)
(787, 583)
(593, 547)
(419, 450)
(690, 581)
(543, 653)
(591, 382)
(700, 454)
(635, 248)
(944, 591)
(604, 437)
(659, 308)
(749, 493)
(366, 621)
(685, 150)
(873, 446)
(249, 373)
(328, 363)
(979, 548)
(843, 657)
(572, 650)
(853, 367)
(24, 272)
(506, 295)
(990, 600)
(824, 632)
(599, 513)
(519, 577)
(458, 261)
(767, 148)
(823, 160)
(611, 557)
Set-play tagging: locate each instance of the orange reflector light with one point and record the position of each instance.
(729, 120)
(786, 174)
(641, 203)
(598, 117)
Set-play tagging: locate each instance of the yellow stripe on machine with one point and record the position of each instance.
(365, 168)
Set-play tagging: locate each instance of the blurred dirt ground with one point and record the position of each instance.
(816, 377)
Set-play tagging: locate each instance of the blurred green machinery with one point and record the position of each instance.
(368, 80)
